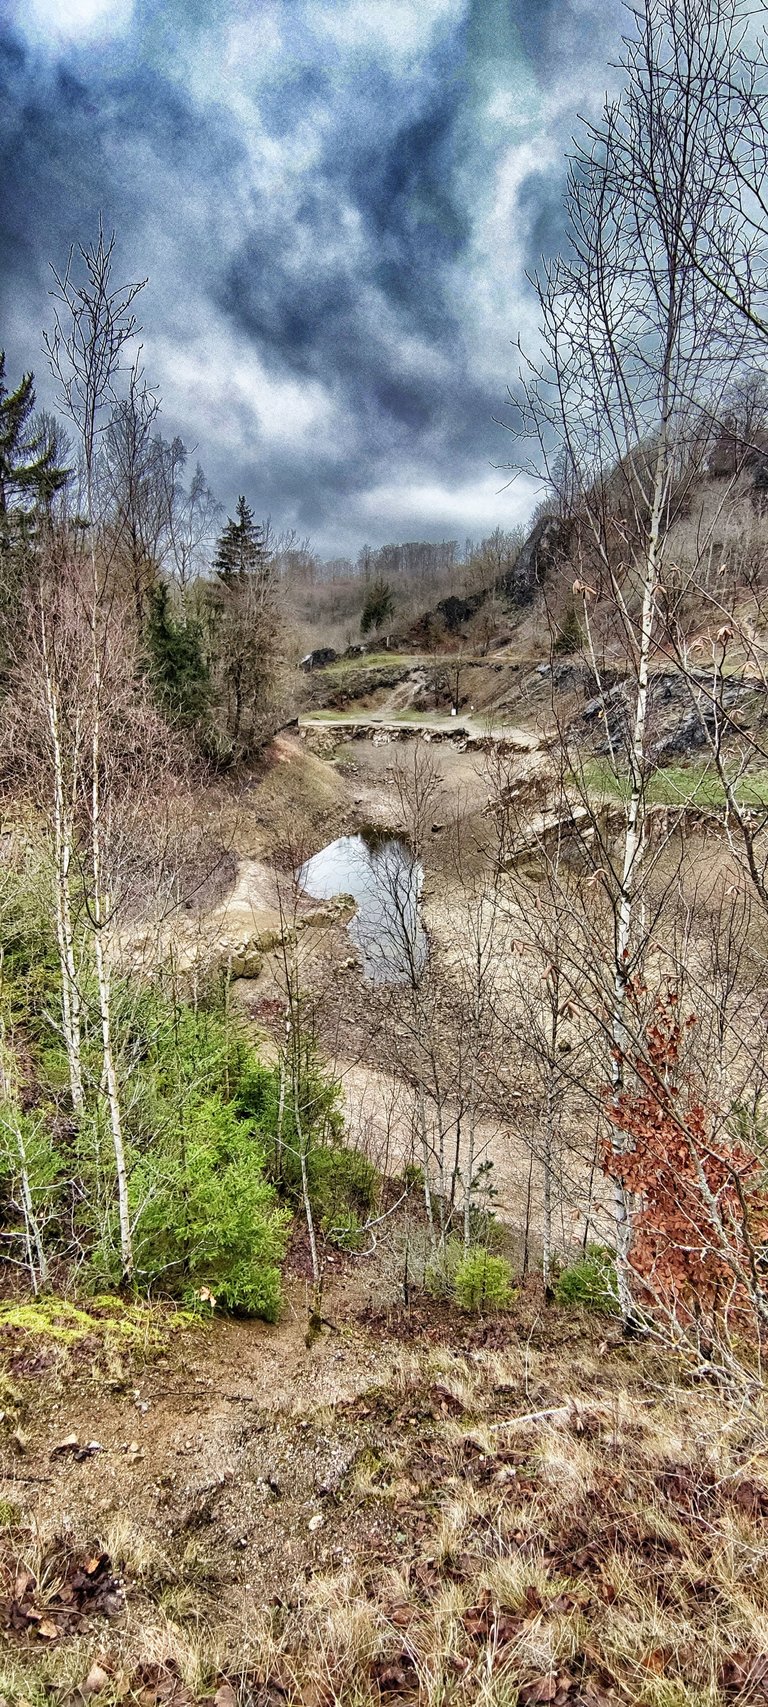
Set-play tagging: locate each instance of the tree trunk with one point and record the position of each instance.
(546, 1256)
(63, 837)
(104, 981)
(634, 847)
(37, 1261)
(36, 1257)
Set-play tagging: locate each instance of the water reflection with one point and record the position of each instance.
(385, 881)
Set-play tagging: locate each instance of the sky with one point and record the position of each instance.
(336, 203)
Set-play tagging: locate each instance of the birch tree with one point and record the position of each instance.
(94, 322)
(638, 350)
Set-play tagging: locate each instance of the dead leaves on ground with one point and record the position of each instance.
(561, 1689)
(162, 1685)
(68, 1592)
(744, 1679)
(395, 1677)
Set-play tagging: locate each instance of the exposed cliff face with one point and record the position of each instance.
(681, 715)
(545, 548)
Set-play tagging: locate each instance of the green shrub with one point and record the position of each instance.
(569, 638)
(343, 1184)
(482, 1281)
(413, 1177)
(207, 1216)
(341, 1179)
(590, 1282)
(31, 990)
(30, 1168)
(378, 607)
(176, 663)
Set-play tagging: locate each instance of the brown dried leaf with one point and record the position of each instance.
(24, 1582)
(96, 1681)
(542, 1689)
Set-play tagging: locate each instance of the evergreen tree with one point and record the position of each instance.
(176, 663)
(241, 551)
(27, 451)
(569, 638)
(379, 606)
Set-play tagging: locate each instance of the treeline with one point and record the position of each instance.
(420, 594)
(203, 611)
(220, 608)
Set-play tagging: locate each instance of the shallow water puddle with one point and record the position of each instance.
(385, 881)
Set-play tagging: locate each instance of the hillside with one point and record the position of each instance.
(415, 1507)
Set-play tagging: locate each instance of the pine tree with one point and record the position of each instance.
(569, 638)
(27, 453)
(241, 550)
(379, 606)
(176, 665)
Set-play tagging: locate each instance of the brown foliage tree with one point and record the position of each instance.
(700, 1231)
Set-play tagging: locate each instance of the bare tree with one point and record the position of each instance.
(639, 350)
(15, 1146)
(94, 322)
(193, 513)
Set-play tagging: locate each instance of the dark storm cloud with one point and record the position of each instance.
(540, 200)
(335, 204)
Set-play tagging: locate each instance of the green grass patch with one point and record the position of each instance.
(111, 1321)
(371, 661)
(328, 716)
(696, 784)
(412, 716)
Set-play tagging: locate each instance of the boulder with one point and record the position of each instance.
(335, 911)
(244, 960)
(318, 659)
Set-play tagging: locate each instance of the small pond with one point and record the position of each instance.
(382, 876)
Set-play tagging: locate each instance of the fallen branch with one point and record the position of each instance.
(533, 1416)
(571, 1408)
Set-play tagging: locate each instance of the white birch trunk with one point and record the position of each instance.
(634, 848)
(104, 978)
(63, 837)
(426, 1162)
(37, 1261)
(36, 1257)
(546, 1254)
(305, 1191)
(469, 1174)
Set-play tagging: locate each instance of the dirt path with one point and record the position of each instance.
(215, 1431)
(381, 1118)
(465, 727)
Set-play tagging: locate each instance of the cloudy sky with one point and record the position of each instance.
(336, 202)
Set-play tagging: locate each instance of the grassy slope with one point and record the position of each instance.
(611, 1552)
(694, 784)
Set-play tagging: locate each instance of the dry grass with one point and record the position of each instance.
(612, 1553)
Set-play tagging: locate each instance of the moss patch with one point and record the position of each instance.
(106, 1321)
